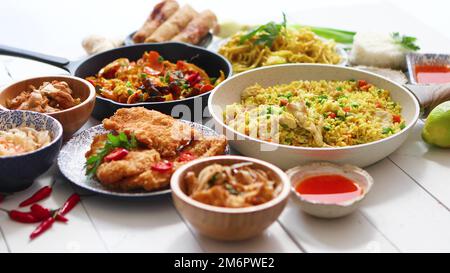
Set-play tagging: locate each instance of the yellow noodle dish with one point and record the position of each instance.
(273, 44)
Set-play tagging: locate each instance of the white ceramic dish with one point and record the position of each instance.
(327, 210)
(286, 156)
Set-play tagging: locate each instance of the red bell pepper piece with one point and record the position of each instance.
(362, 83)
(193, 78)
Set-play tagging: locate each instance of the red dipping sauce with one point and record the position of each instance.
(432, 73)
(328, 189)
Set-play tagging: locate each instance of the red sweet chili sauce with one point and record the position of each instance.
(328, 189)
(432, 73)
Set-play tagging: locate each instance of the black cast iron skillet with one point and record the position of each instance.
(189, 109)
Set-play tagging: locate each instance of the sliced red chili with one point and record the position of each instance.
(71, 202)
(162, 166)
(186, 156)
(116, 154)
(41, 194)
(332, 115)
(43, 227)
(396, 118)
(346, 109)
(377, 104)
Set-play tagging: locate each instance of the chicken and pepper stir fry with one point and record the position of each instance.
(152, 79)
(50, 97)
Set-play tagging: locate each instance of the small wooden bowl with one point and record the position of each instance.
(71, 119)
(228, 224)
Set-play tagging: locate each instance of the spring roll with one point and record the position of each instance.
(161, 12)
(173, 25)
(197, 28)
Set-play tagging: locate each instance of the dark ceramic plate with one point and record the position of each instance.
(203, 42)
(71, 162)
(17, 172)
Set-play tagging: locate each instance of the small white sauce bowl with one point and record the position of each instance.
(329, 210)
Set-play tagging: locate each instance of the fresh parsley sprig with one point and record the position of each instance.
(266, 34)
(113, 141)
(407, 42)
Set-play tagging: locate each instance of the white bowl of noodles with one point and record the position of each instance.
(288, 156)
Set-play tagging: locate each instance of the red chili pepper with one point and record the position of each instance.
(116, 154)
(23, 217)
(396, 118)
(346, 109)
(41, 194)
(60, 218)
(71, 202)
(162, 166)
(378, 104)
(40, 212)
(43, 227)
(362, 83)
(186, 156)
(332, 115)
(193, 78)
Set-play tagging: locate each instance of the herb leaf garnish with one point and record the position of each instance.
(113, 141)
(407, 42)
(266, 34)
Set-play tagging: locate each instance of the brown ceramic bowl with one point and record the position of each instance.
(228, 224)
(71, 119)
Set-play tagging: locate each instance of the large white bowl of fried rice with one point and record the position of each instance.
(298, 113)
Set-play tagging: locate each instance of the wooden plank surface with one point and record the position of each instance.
(427, 165)
(274, 239)
(78, 235)
(404, 212)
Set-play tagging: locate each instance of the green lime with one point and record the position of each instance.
(437, 126)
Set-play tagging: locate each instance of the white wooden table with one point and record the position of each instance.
(407, 210)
